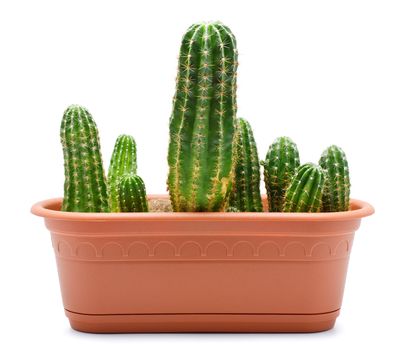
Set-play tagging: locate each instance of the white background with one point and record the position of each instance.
(321, 72)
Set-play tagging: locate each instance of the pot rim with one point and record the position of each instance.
(46, 209)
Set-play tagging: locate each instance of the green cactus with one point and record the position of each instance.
(85, 188)
(281, 163)
(203, 120)
(123, 161)
(132, 194)
(306, 189)
(336, 196)
(245, 195)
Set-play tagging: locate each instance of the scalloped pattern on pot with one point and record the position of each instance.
(181, 248)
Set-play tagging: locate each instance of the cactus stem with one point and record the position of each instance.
(183, 109)
(305, 191)
(85, 189)
(245, 195)
(202, 121)
(336, 196)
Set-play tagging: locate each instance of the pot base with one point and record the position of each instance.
(245, 323)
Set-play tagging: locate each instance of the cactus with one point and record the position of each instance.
(245, 195)
(203, 120)
(85, 188)
(132, 194)
(336, 196)
(306, 189)
(281, 163)
(123, 161)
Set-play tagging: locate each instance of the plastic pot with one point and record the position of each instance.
(202, 272)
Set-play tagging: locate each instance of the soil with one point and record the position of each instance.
(160, 206)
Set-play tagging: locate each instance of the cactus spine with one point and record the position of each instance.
(85, 188)
(336, 196)
(281, 163)
(123, 161)
(246, 195)
(203, 120)
(306, 189)
(132, 194)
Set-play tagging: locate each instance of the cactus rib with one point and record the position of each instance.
(85, 188)
(203, 120)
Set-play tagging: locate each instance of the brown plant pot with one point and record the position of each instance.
(201, 272)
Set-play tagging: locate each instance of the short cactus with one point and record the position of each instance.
(85, 188)
(306, 189)
(245, 195)
(203, 120)
(336, 196)
(123, 161)
(132, 194)
(281, 163)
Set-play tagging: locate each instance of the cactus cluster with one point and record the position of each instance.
(203, 120)
(245, 195)
(86, 188)
(212, 154)
(309, 187)
(123, 161)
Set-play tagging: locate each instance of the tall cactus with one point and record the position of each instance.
(203, 119)
(85, 188)
(132, 194)
(306, 189)
(123, 161)
(245, 195)
(336, 195)
(281, 163)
